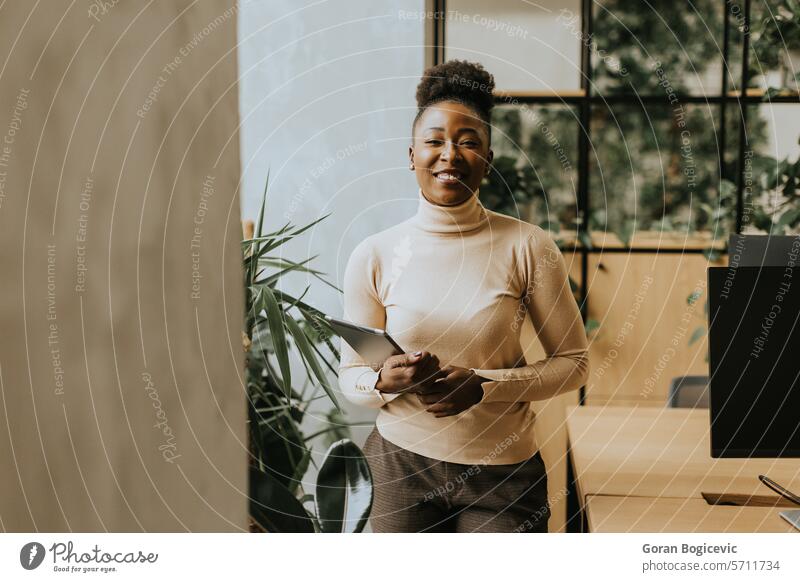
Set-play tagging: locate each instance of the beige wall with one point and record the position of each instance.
(102, 338)
(640, 301)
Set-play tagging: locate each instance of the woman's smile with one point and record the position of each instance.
(449, 177)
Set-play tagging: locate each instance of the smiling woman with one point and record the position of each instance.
(454, 448)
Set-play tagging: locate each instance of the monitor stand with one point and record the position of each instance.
(792, 516)
(713, 498)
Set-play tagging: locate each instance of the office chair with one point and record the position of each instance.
(688, 392)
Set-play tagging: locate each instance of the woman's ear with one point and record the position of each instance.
(410, 157)
(489, 158)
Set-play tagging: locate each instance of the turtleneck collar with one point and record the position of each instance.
(469, 215)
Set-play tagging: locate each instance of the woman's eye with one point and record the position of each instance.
(469, 143)
(433, 142)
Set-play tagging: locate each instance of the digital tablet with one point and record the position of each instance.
(374, 345)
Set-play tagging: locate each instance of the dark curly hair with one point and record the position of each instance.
(460, 81)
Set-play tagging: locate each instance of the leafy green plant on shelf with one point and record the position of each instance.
(775, 41)
(280, 452)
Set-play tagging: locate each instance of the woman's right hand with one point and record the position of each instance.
(411, 372)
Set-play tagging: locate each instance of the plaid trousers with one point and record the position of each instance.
(414, 493)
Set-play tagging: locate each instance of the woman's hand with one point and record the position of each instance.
(413, 372)
(460, 390)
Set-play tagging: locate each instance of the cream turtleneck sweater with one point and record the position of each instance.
(458, 281)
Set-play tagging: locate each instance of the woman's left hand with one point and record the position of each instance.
(458, 391)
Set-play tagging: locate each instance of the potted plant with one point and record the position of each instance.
(277, 324)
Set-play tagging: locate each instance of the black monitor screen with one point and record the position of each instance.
(754, 357)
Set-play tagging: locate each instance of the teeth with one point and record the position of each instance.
(446, 176)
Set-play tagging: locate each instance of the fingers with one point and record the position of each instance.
(431, 385)
(443, 398)
(441, 409)
(428, 365)
(422, 373)
(431, 397)
(410, 359)
(395, 361)
(416, 382)
(437, 375)
(439, 392)
(419, 358)
(431, 373)
(413, 358)
(433, 382)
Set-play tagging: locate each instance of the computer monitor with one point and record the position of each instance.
(761, 250)
(754, 361)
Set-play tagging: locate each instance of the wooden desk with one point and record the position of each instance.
(611, 514)
(660, 452)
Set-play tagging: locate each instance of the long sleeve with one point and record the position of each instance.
(559, 326)
(361, 305)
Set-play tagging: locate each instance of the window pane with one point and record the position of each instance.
(527, 46)
(657, 169)
(771, 169)
(535, 165)
(630, 38)
(773, 129)
(774, 57)
(736, 23)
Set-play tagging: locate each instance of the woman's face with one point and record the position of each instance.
(450, 152)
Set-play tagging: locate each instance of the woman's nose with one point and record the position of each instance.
(450, 151)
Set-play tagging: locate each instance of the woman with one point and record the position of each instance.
(453, 448)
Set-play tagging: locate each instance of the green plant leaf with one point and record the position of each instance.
(248, 242)
(625, 232)
(573, 286)
(262, 338)
(551, 225)
(268, 261)
(697, 334)
(591, 325)
(306, 351)
(344, 489)
(276, 319)
(585, 239)
(255, 433)
(272, 245)
(273, 278)
(790, 217)
(326, 333)
(295, 302)
(713, 255)
(274, 507)
(282, 446)
(339, 427)
(260, 221)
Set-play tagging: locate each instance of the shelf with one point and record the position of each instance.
(648, 240)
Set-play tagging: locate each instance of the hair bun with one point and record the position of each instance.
(461, 81)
